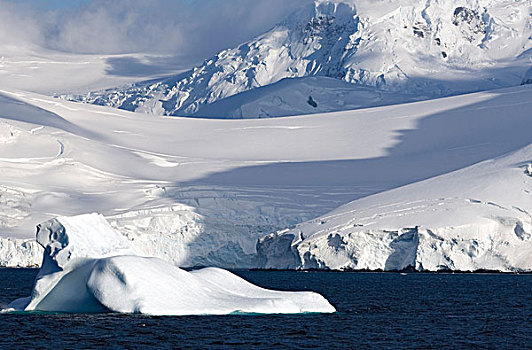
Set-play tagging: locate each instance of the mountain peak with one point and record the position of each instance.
(431, 49)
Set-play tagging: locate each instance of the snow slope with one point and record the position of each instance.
(28, 67)
(301, 96)
(431, 48)
(89, 267)
(199, 192)
(471, 219)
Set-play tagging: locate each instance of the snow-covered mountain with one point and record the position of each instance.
(422, 49)
(198, 192)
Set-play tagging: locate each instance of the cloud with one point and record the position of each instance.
(192, 27)
(18, 24)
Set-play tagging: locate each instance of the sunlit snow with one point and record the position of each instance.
(359, 179)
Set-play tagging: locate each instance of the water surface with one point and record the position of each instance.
(375, 310)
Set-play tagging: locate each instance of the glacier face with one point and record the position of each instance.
(431, 49)
(19, 252)
(477, 218)
(218, 226)
(209, 226)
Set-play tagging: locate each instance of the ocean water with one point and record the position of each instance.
(375, 310)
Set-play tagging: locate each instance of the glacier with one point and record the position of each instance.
(194, 202)
(89, 267)
(477, 218)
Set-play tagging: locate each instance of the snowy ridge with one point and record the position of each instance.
(434, 48)
(478, 218)
(307, 95)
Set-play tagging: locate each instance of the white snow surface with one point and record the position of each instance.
(301, 96)
(203, 192)
(31, 68)
(471, 219)
(426, 49)
(90, 267)
(199, 192)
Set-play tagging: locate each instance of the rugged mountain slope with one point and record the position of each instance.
(431, 48)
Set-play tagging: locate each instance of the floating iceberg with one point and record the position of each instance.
(89, 267)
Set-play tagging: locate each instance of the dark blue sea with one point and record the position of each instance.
(375, 310)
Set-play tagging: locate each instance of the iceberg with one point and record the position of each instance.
(89, 267)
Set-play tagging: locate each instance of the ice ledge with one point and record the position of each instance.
(502, 246)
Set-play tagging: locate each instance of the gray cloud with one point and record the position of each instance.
(191, 27)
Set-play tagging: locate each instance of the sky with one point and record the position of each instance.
(50, 4)
(184, 27)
